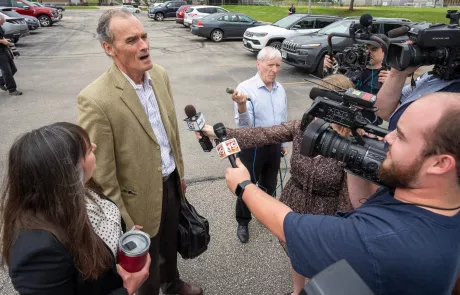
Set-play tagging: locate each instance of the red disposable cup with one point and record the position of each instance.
(133, 248)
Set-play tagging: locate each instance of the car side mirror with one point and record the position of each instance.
(296, 27)
(26, 7)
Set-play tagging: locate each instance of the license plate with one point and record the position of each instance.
(283, 54)
(245, 41)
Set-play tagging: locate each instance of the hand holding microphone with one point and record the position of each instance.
(227, 148)
(195, 122)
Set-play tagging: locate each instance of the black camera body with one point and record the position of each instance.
(362, 156)
(354, 58)
(434, 44)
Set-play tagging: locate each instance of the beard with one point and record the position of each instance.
(399, 176)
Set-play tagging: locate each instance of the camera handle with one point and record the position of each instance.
(357, 36)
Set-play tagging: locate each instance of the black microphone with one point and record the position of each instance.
(195, 122)
(224, 150)
(230, 91)
(398, 32)
(315, 92)
(365, 20)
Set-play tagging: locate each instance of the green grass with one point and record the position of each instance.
(273, 13)
(81, 7)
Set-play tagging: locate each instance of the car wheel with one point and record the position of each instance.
(275, 44)
(217, 35)
(45, 21)
(319, 69)
(159, 16)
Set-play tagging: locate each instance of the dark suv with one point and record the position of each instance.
(307, 52)
(167, 9)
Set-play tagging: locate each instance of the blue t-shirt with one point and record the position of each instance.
(396, 248)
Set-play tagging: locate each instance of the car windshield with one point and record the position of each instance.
(287, 21)
(336, 27)
(28, 3)
(11, 13)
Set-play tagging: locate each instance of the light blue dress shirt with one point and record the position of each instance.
(270, 107)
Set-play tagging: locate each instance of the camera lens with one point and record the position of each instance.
(361, 159)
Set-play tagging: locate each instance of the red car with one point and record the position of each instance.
(180, 13)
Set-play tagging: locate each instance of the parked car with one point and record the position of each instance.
(180, 13)
(219, 26)
(14, 27)
(293, 25)
(307, 52)
(199, 12)
(46, 15)
(59, 8)
(165, 10)
(38, 4)
(131, 8)
(32, 22)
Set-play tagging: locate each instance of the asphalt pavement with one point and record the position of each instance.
(56, 63)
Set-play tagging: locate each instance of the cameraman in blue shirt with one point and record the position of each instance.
(401, 242)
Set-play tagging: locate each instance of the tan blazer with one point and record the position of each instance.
(128, 154)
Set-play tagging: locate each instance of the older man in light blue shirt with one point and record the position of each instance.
(260, 102)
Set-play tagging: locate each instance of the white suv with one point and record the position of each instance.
(200, 11)
(256, 38)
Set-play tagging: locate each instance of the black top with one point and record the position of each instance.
(40, 265)
(291, 10)
(2, 36)
(366, 80)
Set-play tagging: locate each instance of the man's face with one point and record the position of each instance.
(130, 48)
(268, 69)
(376, 54)
(2, 21)
(404, 165)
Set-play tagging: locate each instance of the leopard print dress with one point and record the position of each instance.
(317, 185)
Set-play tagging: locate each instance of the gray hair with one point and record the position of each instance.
(2, 16)
(103, 26)
(268, 53)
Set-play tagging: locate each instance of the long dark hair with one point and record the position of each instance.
(44, 189)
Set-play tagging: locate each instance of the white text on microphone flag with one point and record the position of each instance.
(227, 148)
(195, 123)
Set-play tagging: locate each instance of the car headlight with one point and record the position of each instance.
(29, 20)
(313, 45)
(259, 34)
(302, 52)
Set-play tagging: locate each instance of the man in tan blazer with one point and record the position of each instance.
(129, 113)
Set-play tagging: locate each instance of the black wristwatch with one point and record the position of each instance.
(240, 188)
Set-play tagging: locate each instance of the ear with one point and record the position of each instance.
(441, 164)
(108, 48)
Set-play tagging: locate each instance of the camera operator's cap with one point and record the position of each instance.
(375, 43)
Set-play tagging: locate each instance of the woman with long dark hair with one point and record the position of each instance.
(59, 236)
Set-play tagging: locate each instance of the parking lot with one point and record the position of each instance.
(56, 63)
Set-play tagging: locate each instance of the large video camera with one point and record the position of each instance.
(434, 44)
(362, 155)
(356, 57)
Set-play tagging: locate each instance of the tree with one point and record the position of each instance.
(351, 5)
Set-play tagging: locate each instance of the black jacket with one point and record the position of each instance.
(40, 265)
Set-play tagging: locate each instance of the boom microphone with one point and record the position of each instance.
(398, 32)
(196, 122)
(315, 92)
(227, 148)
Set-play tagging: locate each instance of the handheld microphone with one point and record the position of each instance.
(196, 122)
(230, 91)
(227, 148)
(398, 32)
